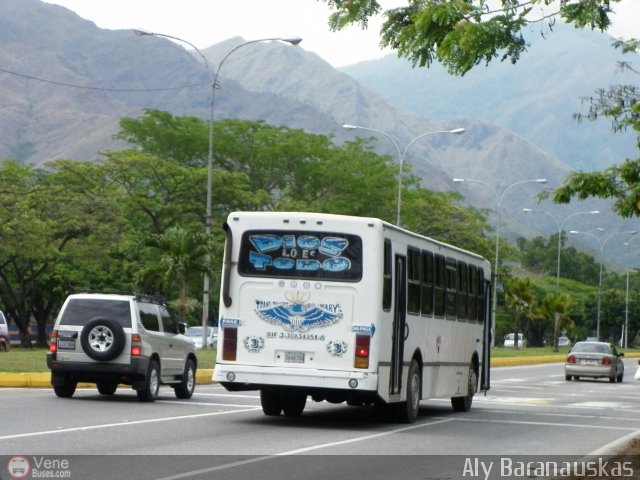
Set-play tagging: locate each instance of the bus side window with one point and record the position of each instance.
(413, 280)
(428, 274)
(386, 280)
(462, 297)
(473, 293)
(452, 288)
(440, 284)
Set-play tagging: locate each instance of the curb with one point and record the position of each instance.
(43, 379)
(514, 361)
(203, 376)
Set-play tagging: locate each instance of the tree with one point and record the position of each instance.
(520, 298)
(183, 140)
(49, 224)
(540, 255)
(558, 306)
(182, 254)
(621, 182)
(443, 216)
(463, 34)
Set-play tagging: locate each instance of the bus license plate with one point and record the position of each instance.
(67, 344)
(294, 357)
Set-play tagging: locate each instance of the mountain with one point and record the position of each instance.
(535, 98)
(65, 84)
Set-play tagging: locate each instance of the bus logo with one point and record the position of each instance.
(254, 344)
(337, 348)
(298, 315)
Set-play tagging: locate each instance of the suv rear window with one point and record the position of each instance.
(79, 311)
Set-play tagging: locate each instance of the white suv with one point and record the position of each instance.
(112, 339)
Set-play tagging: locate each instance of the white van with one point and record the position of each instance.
(509, 340)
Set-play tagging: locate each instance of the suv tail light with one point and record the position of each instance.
(136, 345)
(571, 359)
(229, 343)
(361, 359)
(53, 342)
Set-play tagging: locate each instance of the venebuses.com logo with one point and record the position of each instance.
(18, 467)
(38, 467)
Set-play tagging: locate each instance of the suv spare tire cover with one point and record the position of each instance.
(102, 339)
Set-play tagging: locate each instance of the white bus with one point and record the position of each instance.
(350, 309)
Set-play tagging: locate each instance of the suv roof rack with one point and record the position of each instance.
(148, 298)
(140, 297)
(107, 292)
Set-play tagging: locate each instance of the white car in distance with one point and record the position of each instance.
(195, 334)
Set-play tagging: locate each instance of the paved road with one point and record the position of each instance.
(530, 411)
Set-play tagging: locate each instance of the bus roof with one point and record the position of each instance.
(291, 219)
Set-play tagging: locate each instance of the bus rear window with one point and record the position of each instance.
(301, 254)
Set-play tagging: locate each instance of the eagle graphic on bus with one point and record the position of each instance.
(298, 315)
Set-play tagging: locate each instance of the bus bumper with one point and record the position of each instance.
(243, 377)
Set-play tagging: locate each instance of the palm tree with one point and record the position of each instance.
(183, 253)
(520, 298)
(559, 306)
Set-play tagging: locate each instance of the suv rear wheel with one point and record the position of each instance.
(149, 391)
(188, 384)
(107, 388)
(65, 389)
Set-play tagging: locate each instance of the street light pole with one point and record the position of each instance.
(499, 199)
(602, 245)
(626, 297)
(402, 155)
(560, 228)
(213, 79)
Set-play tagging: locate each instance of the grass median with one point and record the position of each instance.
(19, 360)
(34, 360)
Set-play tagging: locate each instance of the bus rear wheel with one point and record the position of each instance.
(271, 402)
(293, 404)
(463, 404)
(407, 411)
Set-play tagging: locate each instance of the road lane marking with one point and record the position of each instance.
(122, 424)
(303, 450)
(206, 404)
(226, 395)
(547, 424)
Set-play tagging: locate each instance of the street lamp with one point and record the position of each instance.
(602, 245)
(401, 156)
(626, 297)
(560, 228)
(213, 80)
(499, 199)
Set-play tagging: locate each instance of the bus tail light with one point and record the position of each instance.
(53, 341)
(361, 359)
(229, 343)
(136, 345)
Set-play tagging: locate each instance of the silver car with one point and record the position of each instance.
(594, 360)
(112, 339)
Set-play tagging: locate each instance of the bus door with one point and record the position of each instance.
(399, 324)
(484, 374)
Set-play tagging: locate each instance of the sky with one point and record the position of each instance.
(207, 22)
